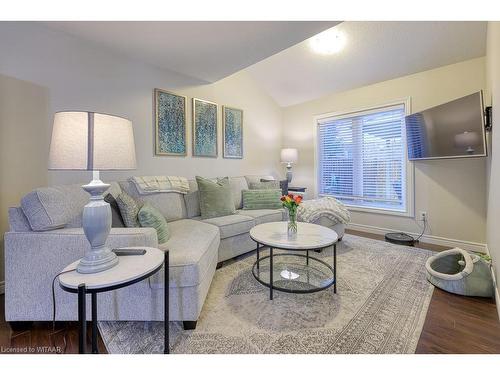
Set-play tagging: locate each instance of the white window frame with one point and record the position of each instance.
(410, 168)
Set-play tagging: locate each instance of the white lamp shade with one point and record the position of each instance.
(467, 139)
(289, 155)
(91, 141)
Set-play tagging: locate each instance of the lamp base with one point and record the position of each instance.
(289, 173)
(97, 261)
(96, 224)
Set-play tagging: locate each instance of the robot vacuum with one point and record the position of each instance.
(400, 239)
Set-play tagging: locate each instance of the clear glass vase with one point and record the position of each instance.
(292, 223)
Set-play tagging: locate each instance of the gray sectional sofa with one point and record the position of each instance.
(196, 246)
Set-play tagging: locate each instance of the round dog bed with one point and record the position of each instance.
(459, 272)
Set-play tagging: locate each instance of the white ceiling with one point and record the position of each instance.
(374, 52)
(208, 51)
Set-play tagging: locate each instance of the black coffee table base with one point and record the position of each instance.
(308, 259)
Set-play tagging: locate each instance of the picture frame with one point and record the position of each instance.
(170, 123)
(205, 128)
(232, 129)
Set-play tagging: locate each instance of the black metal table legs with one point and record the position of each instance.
(271, 273)
(82, 314)
(335, 267)
(82, 319)
(94, 323)
(166, 304)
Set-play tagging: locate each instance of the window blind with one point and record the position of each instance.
(362, 158)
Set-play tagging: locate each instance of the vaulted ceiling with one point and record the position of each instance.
(206, 50)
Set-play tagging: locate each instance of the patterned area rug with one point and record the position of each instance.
(380, 307)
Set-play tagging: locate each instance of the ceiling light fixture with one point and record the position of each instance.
(328, 42)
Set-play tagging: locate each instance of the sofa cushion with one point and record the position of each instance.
(238, 184)
(232, 225)
(215, 197)
(264, 216)
(171, 205)
(192, 247)
(46, 209)
(192, 200)
(256, 178)
(18, 221)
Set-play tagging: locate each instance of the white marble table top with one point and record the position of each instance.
(309, 236)
(129, 268)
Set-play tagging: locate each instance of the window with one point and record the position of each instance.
(362, 159)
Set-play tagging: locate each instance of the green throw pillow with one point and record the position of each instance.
(264, 185)
(150, 217)
(261, 199)
(215, 197)
(129, 208)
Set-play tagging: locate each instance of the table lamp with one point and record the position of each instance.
(467, 141)
(289, 156)
(93, 142)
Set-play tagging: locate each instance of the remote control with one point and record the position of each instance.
(126, 252)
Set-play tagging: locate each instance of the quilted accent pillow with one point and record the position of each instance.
(150, 217)
(129, 208)
(261, 199)
(215, 197)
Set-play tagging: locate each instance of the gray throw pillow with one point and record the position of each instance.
(283, 185)
(264, 185)
(116, 216)
(215, 197)
(261, 199)
(129, 208)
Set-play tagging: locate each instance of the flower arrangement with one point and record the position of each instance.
(291, 203)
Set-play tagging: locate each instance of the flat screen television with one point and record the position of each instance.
(450, 130)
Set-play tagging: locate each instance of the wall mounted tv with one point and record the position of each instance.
(450, 130)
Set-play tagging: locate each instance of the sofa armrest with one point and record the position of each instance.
(32, 259)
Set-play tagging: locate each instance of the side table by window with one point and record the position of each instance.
(130, 270)
(295, 190)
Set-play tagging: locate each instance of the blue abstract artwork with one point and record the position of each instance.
(204, 128)
(170, 123)
(233, 132)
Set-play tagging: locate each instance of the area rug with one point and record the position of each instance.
(380, 307)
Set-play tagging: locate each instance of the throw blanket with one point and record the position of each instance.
(161, 184)
(312, 210)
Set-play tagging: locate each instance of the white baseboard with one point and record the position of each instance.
(495, 285)
(2, 287)
(435, 240)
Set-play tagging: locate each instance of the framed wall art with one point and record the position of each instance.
(232, 120)
(170, 123)
(204, 128)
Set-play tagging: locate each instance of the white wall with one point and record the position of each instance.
(24, 108)
(493, 78)
(83, 76)
(452, 192)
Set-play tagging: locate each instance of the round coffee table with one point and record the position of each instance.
(298, 272)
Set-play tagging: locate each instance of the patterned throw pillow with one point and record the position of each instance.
(261, 199)
(129, 208)
(150, 217)
(216, 198)
(264, 185)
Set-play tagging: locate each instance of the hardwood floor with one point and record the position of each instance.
(454, 324)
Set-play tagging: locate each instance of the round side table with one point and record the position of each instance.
(130, 270)
(304, 278)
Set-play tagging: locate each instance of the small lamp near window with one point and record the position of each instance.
(92, 142)
(288, 157)
(467, 141)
